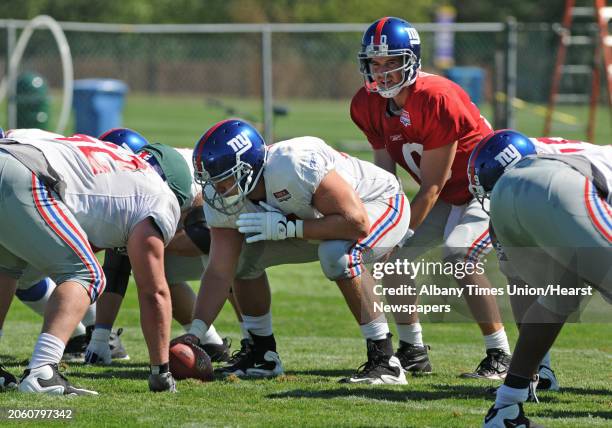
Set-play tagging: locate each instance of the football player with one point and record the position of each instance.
(185, 259)
(66, 198)
(551, 211)
(428, 125)
(292, 202)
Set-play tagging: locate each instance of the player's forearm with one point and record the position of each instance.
(213, 293)
(155, 319)
(421, 206)
(336, 226)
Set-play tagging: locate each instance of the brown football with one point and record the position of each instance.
(190, 362)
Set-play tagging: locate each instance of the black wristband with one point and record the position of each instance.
(162, 368)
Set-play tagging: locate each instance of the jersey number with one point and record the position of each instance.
(408, 150)
(101, 155)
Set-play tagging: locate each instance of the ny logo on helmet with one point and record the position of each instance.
(509, 156)
(240, 143)
(413, 35)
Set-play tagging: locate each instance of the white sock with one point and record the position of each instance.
(507, 396)
(212, 336)
(546, 360)
(89, 318)
(376, 329)
(48, 350)
(100, 335)
(260, 326)
(244, 331)
(497, 340)
(187, 327)
(78, 331)
(411, 333)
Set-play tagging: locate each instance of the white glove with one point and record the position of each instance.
(271, 225)
(98, 352)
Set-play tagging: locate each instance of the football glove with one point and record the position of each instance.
(98, 352)
(162, 382)
(7, 380)
(270, 225)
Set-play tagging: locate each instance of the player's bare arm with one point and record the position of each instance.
(146, 251)
(226, 245)
(344, 214)
(435, 171)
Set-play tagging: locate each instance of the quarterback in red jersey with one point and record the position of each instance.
(429, 126)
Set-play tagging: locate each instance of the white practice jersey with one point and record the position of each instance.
(599, 156)
(107, 188)
(295, 168)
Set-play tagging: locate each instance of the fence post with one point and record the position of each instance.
(511, 71)
(11, 87)
(266, 64)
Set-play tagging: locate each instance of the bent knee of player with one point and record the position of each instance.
(339, 259)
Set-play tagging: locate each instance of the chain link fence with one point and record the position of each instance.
(308, 62)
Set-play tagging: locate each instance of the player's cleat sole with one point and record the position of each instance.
(494, 366)
(506, 417)
(48, 380)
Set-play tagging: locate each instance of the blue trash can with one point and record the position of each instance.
(98, 105)
(471, 79)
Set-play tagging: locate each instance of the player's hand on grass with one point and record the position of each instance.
(7, 380)
(162, 382)
(270, 225)
(98, 352)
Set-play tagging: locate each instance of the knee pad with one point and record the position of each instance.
(35, 292)
(339, 259)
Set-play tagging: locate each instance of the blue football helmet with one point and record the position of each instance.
(1, 133)
(230, 149)
(390, 37)
(494, 155)
(124, 137)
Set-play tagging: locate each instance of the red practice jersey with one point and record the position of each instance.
(437, 112)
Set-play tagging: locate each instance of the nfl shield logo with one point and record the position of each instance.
(405, 118)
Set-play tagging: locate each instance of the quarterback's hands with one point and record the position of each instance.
(270, 225)
(98, 352)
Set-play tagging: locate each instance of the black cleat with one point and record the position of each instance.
(414, 358)
(218, 353)
(382, 366)
(7, 380)
(47, 379)
(509, 416)
(75, 348)
(494, 366)
(118, 351)
(245, 344)
(257, 359)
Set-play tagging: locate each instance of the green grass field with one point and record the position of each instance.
(318, 342)
(317, 338)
